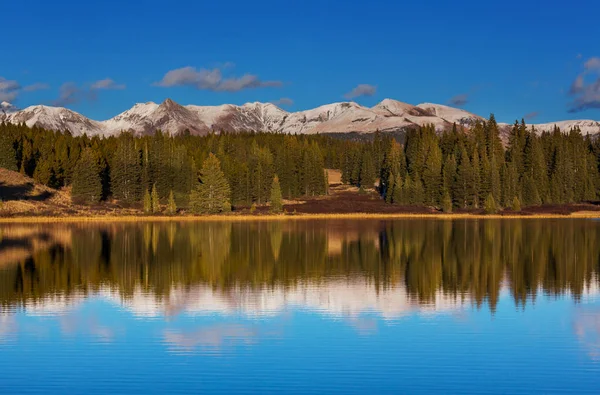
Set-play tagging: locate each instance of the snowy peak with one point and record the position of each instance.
(56, 118)
(390, 107)
(146, 118)
(586, 126)
(344, 117)
(450, 114)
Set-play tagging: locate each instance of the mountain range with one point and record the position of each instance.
(345, 117)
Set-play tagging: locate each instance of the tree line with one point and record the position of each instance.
(457, 169)
(207, 174)
(462, 169)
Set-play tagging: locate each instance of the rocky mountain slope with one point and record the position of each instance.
(345, 117)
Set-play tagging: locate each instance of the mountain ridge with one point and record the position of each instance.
(389, 115)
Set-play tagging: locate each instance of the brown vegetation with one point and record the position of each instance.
(23, 200)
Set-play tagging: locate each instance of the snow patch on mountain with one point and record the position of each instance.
(56, 118)
(345, 117)
(450, 114)
(586, 126)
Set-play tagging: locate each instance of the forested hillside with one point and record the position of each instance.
(460, 168)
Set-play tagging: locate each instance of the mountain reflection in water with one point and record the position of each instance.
(337, 267)
(363, 306)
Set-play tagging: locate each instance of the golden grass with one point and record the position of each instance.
(334, 176)
(250, 218)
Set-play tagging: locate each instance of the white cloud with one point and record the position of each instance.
(9, 89)
(592, 64)
(38, 86)
(213, 80)
(107, 84)
(361, 90)
(586, 95)
(459, 100)
(283, 102)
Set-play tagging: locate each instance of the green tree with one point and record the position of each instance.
(212, 194)
(368, 172)
(447, 203)
(516, 204)
(126, 170)
(155, 200)
(276, 199)
(171, 205)
(490, 204)
(147, 202)
(87, 186)
(8, 158)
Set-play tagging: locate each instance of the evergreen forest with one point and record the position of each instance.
(483, 166)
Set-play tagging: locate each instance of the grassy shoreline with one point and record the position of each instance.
(250, 218)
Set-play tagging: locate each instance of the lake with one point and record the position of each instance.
(301, 306)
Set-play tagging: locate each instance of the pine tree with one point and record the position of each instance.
(44, 173)
(126, 170)
(449, 174)
(155, 199)
(212, 194)
(432, 175)
(276, 199)
(390, 187)
(8, 158)
(463, 186)
(393, 164)
(490, 205)
(516, 204)
(531, 195)
(87, 187)
(447, 203)
(147, 202)
(171, 205)
(398, 193)
(368, 172)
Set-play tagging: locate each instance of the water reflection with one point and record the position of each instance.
(338, 267)
(302, 306)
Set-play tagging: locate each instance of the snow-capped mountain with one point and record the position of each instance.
(149, 117)
(345, 117)
(56, 118)
(450, 114)
(586, 126)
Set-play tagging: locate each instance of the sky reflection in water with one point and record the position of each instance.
(345, 306)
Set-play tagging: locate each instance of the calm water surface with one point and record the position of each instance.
(494, 306)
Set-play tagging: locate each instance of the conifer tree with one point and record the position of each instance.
(368, 172)
(463, 187)
(390, 187)
(449, 174)
(531, 195)
(394, 163)
(44, 173)
(212, 194)
(516, 204)
(155, 200)
(171, 205)
(147, 202)
(126, 171)
(87, 187)
(447, 202)
(432, 175)
(398, 194)
(276, 199)
(490, 205)
(8, 158)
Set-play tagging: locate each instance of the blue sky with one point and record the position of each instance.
(512, 58)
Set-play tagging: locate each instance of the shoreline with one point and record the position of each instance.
(272, 217)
